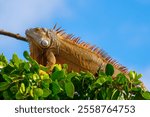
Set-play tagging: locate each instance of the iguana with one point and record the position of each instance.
(51, 46)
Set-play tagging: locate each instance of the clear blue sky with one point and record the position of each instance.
(120, 27)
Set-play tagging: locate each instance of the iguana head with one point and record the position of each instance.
(42, 41)
(41, 37)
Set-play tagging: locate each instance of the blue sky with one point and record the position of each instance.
(120, 27)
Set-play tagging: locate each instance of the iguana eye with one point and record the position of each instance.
(45, 43)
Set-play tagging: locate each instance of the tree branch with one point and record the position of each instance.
(17, 36)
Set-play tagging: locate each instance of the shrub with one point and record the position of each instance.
(27, 80)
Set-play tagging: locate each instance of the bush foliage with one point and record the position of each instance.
(27, 80)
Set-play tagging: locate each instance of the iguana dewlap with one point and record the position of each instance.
(49, 47)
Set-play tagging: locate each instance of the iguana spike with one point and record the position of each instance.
(58, 29)
(54, 28)
(76, 39)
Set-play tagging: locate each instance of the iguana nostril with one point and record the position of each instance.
(44, 43)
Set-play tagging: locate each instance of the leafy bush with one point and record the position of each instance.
(27, 80)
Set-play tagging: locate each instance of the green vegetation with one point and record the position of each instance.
(27, 80)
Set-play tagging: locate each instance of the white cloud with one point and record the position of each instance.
(17, 15)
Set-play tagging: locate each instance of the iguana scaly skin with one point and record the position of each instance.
(49, 47)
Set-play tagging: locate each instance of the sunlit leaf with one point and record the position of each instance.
(22, 88)
(58, 75)
(46, 92)
(38, 92)
(3, 59)
(69, 87)
(146, 95)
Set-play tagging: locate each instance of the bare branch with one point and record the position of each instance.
(17, 36)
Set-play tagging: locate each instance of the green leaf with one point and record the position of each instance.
(139, 76)
(2, 65)
(7, 78)
(4, 85)
(44, 68)
(121, 79)
(8, 69)
(26, 55)
(46, 92)
(100, 81)
(19, 96)
(22, 88)
(132, 75)
(58, 75)
(69, 88)
(3, 59)
(57, 67)
(6, 95)
(109, 70)
(115, 94)
(146, 95)
(44, 76)
(56, 88)
(136, 89)
(38, 92)
(31, 93)
(15, 60)
(14, 89)
(25, 66)
(34, 64)
(104, 94)
(46, 83)
(15, 57)
(71, 75)
(28, 89)
(109, 92)
(35, 77)
(137, 82)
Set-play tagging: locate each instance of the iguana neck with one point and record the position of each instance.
(38, 54)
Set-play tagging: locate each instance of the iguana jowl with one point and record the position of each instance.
(49, 47)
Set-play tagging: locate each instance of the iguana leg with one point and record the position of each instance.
(51, 60)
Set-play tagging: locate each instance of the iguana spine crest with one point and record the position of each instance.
(100, 53)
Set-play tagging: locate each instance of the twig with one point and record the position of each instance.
(17, 36)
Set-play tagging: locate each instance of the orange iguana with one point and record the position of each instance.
(49, 47)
